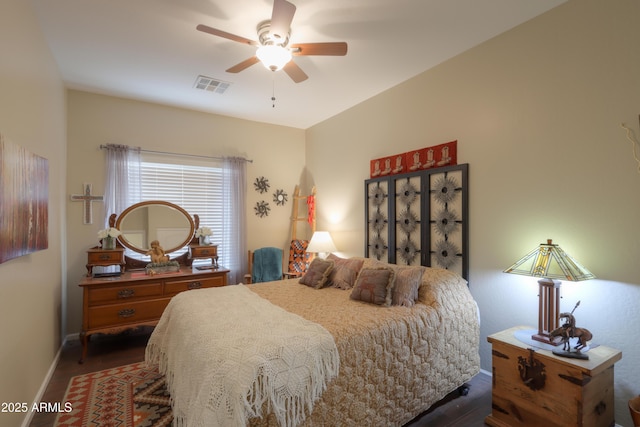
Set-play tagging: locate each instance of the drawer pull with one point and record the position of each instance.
(105, 257)
(127, 312)
(194, 285)
(126, 293)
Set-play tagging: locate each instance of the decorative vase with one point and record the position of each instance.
(204, 240)
(634, 408)
(109, 243)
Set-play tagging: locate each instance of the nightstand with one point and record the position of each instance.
(292, 274)
(204, 251)
(104, 258)
(534, 387)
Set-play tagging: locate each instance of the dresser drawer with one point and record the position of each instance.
(203, 251)
(112, 295)
(177, 286)
(108, 257)
(122, 314)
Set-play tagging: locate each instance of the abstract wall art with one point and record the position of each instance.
(24, 201)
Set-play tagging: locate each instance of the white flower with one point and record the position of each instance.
(109, 232)
(203, 231)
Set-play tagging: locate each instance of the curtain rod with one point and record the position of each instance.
(168, 153)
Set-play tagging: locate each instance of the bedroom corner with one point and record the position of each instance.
(32, 116)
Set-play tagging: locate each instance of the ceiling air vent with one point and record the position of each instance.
(211, 85)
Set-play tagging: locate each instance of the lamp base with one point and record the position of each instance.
(545, 338)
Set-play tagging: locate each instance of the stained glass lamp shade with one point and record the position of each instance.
(549, 262)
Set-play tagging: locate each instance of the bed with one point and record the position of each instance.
(397, 354)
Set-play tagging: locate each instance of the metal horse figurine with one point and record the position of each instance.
(569, 330)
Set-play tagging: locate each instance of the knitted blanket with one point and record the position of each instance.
(267, 265)
(227, 354)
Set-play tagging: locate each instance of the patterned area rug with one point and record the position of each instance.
(126, 396)
(152, 403)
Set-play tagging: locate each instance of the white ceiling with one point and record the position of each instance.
(150, 50)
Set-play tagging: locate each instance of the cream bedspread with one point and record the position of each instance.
(395, 362)
(228, 355)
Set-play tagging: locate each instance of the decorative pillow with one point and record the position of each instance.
(374, 263)
(374, 285)
(405, 291)
(345, 271)
(317, 274)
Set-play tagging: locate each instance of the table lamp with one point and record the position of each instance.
(321, 242)
(550, 262)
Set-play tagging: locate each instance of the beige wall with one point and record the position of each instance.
(277, 153)
(536, 112)
(32, 115)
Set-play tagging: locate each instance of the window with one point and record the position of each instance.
(212, 188)
(195, 185)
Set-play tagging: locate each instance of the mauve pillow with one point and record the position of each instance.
(318, 273)
(345, 271)
(405, 291)
(374, 285)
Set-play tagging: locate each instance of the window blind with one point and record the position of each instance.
(194, 186)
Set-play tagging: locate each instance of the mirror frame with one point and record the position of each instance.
(124, 213)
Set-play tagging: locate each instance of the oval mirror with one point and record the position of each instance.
(144, 222)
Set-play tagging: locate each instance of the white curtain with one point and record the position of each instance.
(234, 218)
(122, 187)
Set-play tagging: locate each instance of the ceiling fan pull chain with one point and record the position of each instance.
(273, 93)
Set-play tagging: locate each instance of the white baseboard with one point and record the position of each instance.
(43, 386)
(482, 371)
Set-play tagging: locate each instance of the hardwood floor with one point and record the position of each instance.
(107, 352)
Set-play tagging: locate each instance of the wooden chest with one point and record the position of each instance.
(115, 304)
(534, 387)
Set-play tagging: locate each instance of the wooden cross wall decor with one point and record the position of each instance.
(88, 200)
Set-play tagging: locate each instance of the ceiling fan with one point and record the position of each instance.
(273, 48)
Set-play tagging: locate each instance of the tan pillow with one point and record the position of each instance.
(405, 291)
(374, 263)
(345, 271)
(317, 274)
(374, 285)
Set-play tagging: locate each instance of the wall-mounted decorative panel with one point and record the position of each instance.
(24, 201)
(408, 221)
(378, 205)
(420, 218)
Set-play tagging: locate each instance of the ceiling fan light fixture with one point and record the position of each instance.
(273, 57)
(273, 48)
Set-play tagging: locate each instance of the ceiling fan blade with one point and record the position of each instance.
(331, 48)
(224, 34)
(295, 72)
(281, 18)
(243, 65)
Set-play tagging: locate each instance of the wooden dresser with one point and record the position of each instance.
(533, 387)
(133, 299)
